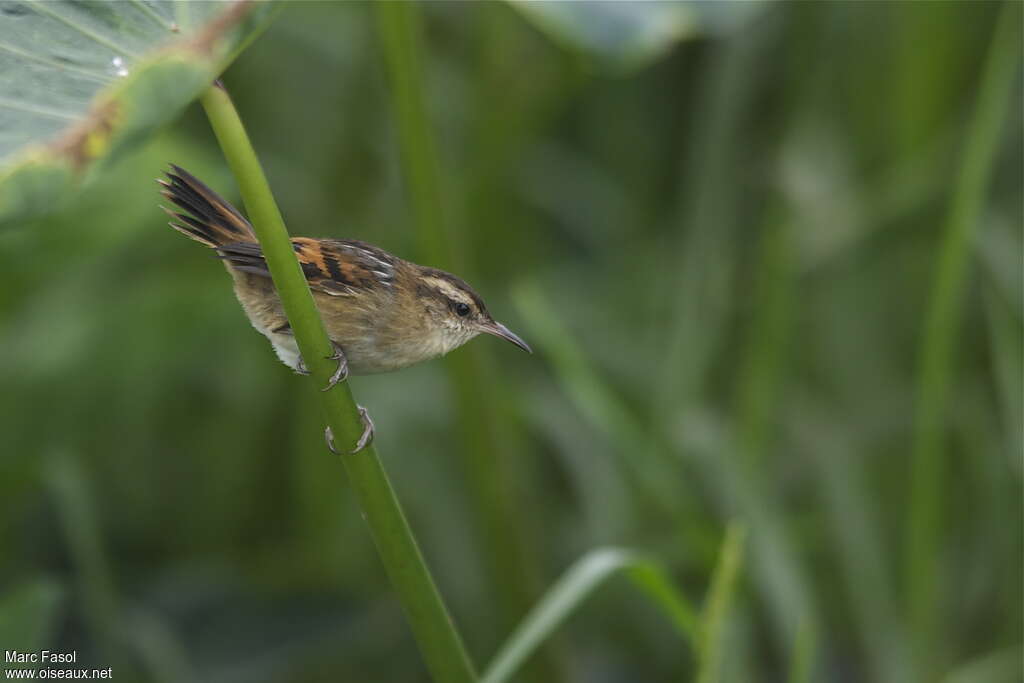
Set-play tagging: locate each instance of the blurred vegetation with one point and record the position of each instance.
(722, 245)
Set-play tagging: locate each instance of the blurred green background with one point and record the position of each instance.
(722, 247)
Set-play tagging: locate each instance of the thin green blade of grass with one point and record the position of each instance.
(158, 646)
(721, 594)
(700, 287)
(436, 635)
(938, 340)
(580, 581)
(760, 382)
(801, 660)
(398, 26)
(777, 570)
(1006, 342)
(113, 626)
(490, 446)
(28, 614)
(600, 405)
(764, 365)
(653, 579)
(855, 535)
(77, 515)
(1001, 666)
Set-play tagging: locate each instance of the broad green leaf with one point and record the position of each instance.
(578, 583)
(630, 33)
(81, 81)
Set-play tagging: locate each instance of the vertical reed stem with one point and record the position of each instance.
(938, 342)
(432, 626)
(490, 446)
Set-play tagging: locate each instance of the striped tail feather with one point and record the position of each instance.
(206, 217)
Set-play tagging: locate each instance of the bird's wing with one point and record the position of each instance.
(335, 267)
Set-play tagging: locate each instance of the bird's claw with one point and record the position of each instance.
(338, 353)
(341, 373)
(329, 438)
(364, 439)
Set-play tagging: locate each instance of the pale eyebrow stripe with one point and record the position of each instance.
(447, 289)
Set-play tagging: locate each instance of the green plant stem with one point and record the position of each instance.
(719, 602)
(928, 465)
(490, 446)
(399, 30)
(801, 659)
(432, 626)
(699, 288)
(77, 515)
(760, 382)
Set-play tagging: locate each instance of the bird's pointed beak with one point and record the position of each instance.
(499, 330)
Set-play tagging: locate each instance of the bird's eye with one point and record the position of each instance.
(461, 309)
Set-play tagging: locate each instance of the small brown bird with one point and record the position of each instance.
(381, 312)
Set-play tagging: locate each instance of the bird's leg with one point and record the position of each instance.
(364, 440)
(340, 374)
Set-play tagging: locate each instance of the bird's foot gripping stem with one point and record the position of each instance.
(364, 440)
(340, 374)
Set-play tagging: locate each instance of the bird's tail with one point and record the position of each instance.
(207, 217)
